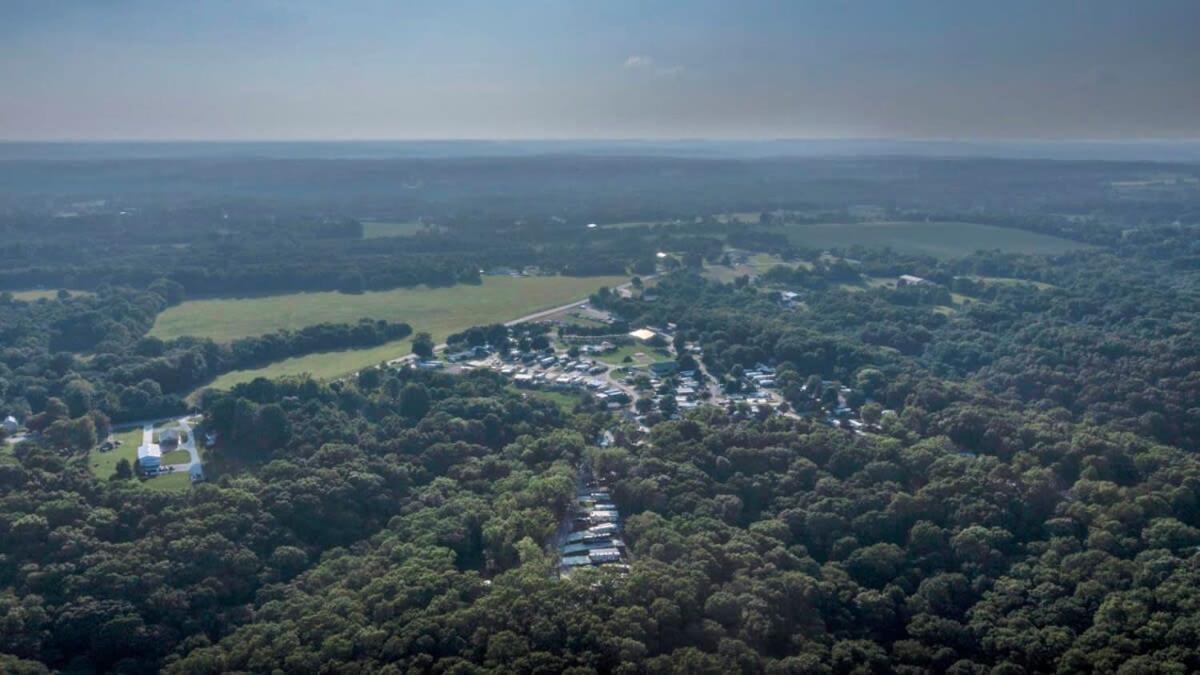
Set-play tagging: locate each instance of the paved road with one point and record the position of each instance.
(541, 314)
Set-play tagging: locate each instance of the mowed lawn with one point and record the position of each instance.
(32, 296)
(937, 239)
(438, 311)
(373, 229)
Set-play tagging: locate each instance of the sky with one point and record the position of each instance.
(543, 69)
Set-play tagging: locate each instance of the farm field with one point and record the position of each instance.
(440, 311)
(373, 229)
(937, 239)
(47, 294)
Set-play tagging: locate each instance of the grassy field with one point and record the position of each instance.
(649, 355)
(754, 265)
(31, 296)
(937, 239)
(176, 457)
(169, 482)
(440, 311)
(104, 463)
(373, 229)
(1010, 281)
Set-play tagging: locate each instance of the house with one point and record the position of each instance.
(600, 556)
(168, 437)
(11, 424)
(149, 457)
(598, 517)
(910, 280)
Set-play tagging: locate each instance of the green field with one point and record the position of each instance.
(754, 266)
(1010, 281)
(30, 296)
(936, 239)
(373, 229)
(103, 464)
(649, 355)
(439, 311)
(176, 457)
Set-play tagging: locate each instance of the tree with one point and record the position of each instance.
(871, 413)
(123, 470)
(414, 400)
(422, 345)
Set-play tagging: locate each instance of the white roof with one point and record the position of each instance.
(641, 334)
(149, 450)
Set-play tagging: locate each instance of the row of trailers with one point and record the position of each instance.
(595, 539)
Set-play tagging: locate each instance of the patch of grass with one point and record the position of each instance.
(648, 355)
(103, 464)
(373, 229)
(1011, 281)
(941, 239)
(754, 265)
(439, 311)
(168, 482)
(42, 294)
(176, 457)
(565, 401)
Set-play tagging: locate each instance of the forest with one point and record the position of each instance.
(1026, 498)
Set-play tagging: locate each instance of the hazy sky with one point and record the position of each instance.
(242, 69)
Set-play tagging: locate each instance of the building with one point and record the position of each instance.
(642, 334)
(910, 280)
(11, 424)
(149, 457)
(599, 556)
(168, 436)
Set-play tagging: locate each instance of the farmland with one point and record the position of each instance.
(373, 229)
(41, 294)
(439, 311)
(939, 239)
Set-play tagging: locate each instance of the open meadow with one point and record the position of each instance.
(438, 311)
(373, 229)
(940, 239)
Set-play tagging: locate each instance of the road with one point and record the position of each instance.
(540, 314)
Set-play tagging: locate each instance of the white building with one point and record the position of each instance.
(642, 334)
(149, 456)
(11, 424)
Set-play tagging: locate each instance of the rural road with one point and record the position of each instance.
(540, 314)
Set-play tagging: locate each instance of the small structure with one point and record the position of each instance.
(910, 280)
(604, 555)
(11, 424)
(149, 457)
(168, 436)
(642, 334)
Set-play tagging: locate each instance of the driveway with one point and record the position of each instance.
(193, 465)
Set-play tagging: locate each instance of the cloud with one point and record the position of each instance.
(646, 64)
